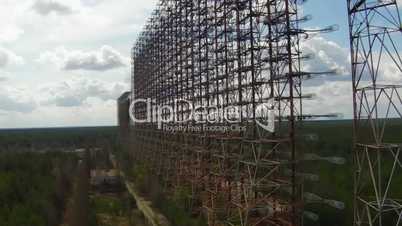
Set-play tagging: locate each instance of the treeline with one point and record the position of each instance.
(34, 188)
(54, 138)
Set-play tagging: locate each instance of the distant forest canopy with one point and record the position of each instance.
(53, 139)
(38, 172)
(34, 187)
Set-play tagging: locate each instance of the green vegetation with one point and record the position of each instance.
(108, 205)
(174, 207)
(334, 138)
(115, 210)
(33, 188)
(322, 138)
(38, 177)
(117, 206)
(52, 139)
(175, 210)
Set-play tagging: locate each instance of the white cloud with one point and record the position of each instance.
(330, 56)
(79, 91)
(330, 97)
(75, 102)
(15, 100)
(106, 58)
(45, 7)
(10, 33)
(389, 71)
(9, 13)
(327, 56)
(7, 58)
(106, 21)
(91, 2)
(30, 27)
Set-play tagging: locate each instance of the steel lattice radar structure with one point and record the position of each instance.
(217, 106)
(375, 32)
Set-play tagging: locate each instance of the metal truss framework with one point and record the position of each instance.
(220, 54)
(375, 31)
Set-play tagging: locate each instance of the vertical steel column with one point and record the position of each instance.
(375, 38)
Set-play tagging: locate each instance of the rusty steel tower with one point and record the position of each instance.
(238, 58)
(376, 38)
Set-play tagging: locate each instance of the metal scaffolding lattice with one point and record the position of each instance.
(219, 55)
(375, 32)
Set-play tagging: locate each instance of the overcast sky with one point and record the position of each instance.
(64, 63)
